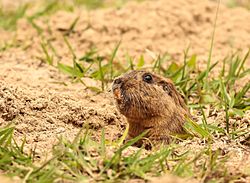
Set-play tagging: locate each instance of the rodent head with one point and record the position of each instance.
(142, 95)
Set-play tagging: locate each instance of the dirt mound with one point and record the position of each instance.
(43, 115)
(42, 109)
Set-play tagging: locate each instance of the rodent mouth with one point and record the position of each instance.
(122, 101)
(117, 94)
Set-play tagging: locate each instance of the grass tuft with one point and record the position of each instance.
(9, 18)
(84, 159)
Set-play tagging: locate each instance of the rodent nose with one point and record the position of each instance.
(117, 81)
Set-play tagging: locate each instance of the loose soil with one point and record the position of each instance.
(44, 103)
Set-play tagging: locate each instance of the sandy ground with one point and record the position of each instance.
(31, 93)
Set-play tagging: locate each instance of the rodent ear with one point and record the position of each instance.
(172, 91)
(166, 88)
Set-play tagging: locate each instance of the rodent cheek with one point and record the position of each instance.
(156, 101)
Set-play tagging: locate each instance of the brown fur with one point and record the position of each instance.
(155, 105)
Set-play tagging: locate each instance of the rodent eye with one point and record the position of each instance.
(147, 78)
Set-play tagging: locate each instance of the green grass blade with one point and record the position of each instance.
(111, 60)
(191, 127)
(211, 47)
